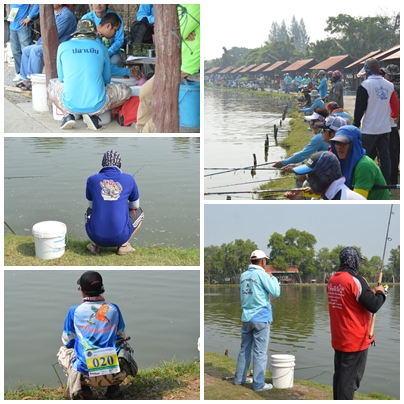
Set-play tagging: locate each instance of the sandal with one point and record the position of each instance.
(20, 84)
(28, 87)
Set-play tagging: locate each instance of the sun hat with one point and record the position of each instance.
(314, 117)
(314, 94)
(86, 27)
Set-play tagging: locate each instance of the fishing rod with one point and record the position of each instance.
(372, 324)
(250, 182)
(238, 169)
(10, 228)
(34, 176)
(260, 191)
(138, 170)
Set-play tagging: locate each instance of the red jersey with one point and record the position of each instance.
(349, 319)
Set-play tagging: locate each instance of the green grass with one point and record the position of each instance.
(219, 365)
(20, 251)
(170, 380)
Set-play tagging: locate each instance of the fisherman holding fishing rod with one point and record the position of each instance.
(114, 214)
(256, 286)
(350, 304)
(95, 351)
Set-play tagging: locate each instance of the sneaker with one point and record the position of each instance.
(122, 250)
(92, 121)
(84, 393)
(17, 77)
(267, 386)
(248, 380)
(68, 122)
(113, 392)
(94, 249)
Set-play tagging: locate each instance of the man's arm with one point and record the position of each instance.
(394, 105)
(371, 300)
(361, 104)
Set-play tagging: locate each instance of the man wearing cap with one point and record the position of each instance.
(325, 178)
(316, 144)
(334, 109)
(94, 334)
(323, 86)
(350, 304)
(330, 126)
(376, 101)
(287, 81)
(360, 171)
(256, 287)
(114, 214)
(316, 100)
(84, 76)
(306, 79)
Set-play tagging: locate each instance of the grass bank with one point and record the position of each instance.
(218, 366)
(168, 381)
(20, 250)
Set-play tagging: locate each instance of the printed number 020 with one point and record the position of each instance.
(109, 360)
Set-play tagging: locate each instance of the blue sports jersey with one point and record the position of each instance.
(84, 67)
(92, 324)
(110, 191)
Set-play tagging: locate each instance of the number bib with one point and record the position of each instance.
(102, 361)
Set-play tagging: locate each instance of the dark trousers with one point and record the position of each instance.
(381, 144)
(394, 155)
(349, 368)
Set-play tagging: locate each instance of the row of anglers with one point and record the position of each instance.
(340, 157)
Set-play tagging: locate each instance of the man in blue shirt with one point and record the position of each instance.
(323, 86)
(114, 213)
(256, 286)
(146, 10)
(32, 56)
(93, 338)
(84, 76)
(20, 18)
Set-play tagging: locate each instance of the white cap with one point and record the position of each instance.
(257, 255)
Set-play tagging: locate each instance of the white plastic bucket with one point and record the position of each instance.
(135, 90)
(58, 114)
(39, 94)
(49, 239)
(283, 368)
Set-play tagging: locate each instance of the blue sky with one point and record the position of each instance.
(363, 225)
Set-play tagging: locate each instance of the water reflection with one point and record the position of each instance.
(301, 328)
(45, 180)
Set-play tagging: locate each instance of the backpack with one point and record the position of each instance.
(141, 32)
(127, 113)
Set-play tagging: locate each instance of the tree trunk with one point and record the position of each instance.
(167, 75)
(50, 40)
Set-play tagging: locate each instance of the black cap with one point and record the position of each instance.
(91, 281)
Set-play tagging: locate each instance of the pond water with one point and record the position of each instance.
(301, 328)
(45, 179)
(236, 125)
(161, 310)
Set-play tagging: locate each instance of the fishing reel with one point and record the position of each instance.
(386, 289)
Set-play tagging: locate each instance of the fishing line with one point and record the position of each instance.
(261, 191)
(251, 182)
(237, 169)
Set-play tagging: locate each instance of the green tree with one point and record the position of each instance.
(295, 248)
(393, 266)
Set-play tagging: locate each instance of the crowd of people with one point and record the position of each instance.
(366, 147)
(90, 53)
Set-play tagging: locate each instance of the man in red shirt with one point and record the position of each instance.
(350, 304)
